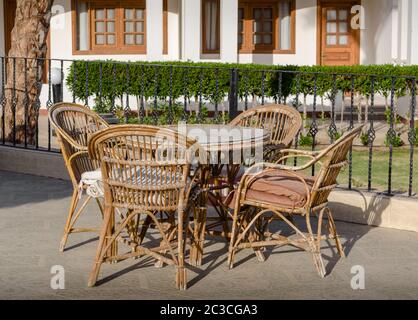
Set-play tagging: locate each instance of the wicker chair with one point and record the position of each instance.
(279, 192)
(145, 171)
(283, 121)
(74, 124)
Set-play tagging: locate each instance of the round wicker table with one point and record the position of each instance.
(227, 148)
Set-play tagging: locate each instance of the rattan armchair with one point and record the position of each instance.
(269, 192)
(74, 124)
(284, 123)
(145, 171)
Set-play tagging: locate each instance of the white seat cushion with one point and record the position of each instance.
(93, 182)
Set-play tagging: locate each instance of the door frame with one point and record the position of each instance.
(319, 30)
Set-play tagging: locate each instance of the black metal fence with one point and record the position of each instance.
(156, 93)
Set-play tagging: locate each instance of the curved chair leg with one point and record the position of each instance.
(99, 253)
(100, 205)
(109, 238)
(181, 272)
(144, 229)
(244, 223)
(333, 231)
(71, 211)
(232, 249)
(319, 263)
(171, 235)
(315, 245)
(254, 236)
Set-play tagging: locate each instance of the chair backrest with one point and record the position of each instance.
(284, 122)
(74, 124)
(143, 167)
(333, 158)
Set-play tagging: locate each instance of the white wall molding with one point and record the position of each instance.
(191, 27)
(229, 30)
(154, 29)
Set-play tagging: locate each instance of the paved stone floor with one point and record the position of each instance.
(32, 215)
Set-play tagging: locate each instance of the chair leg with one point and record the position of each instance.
(253, 236)
(319, 263)
(99, 204)
(315, 245)
(144, 229)
(333, 231)
(102, 243)
(181, 272)
(232, 249)
(67, 229)
(259, 253)
(171, 234)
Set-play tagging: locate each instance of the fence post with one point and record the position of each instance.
(233, 94)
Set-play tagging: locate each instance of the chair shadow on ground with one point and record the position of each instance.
(18, 189)
(80, 244)
(366, 213)
(372, 213)
(142, 263)
(217, 257)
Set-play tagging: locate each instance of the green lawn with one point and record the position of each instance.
(380, 169)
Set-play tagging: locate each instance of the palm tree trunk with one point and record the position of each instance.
(28, 40)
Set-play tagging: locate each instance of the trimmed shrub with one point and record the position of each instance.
(305, 141)
(364, 138)
(395, 141)
(211, 81)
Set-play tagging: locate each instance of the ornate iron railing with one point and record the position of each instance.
(31, 91)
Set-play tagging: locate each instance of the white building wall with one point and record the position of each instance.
(404, 29)
(229, 30)
(154, 30)
(191, 30)
(174, 30)
(414, 32)
(376, 38)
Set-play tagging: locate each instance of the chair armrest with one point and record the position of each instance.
(301, 152)
(293, 153)
(78, 154)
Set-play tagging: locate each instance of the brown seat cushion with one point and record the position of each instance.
(278, 187)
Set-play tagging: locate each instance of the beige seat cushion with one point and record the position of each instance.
(278, 187)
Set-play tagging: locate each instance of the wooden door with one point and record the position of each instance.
(9, 22)
(339, 43)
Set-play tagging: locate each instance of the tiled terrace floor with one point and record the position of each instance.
(32, 215)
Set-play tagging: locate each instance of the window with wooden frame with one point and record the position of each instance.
(109, 27)
(266, 26)
(211, 26)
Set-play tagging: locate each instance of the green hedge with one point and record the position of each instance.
(196, 78)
